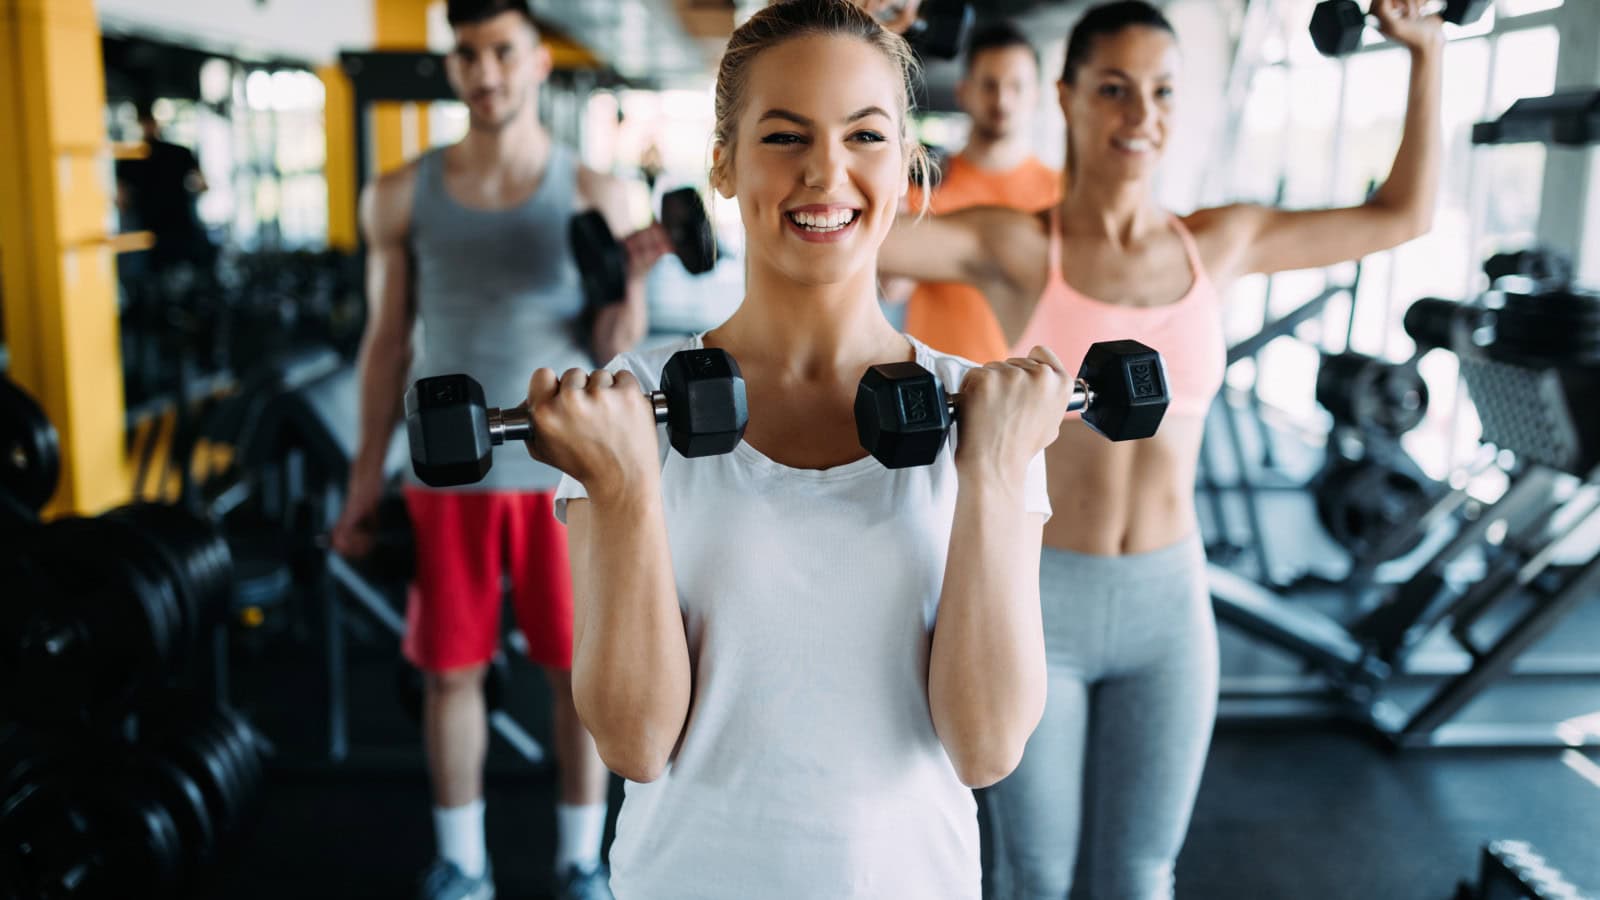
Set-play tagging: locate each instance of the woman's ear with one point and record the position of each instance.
(1064, 97)
(721, 177)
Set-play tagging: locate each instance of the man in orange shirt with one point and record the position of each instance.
(998, 90)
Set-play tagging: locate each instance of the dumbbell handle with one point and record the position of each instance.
(1082, 398)
(516, 423)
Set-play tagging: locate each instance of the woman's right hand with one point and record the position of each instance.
(596, 427)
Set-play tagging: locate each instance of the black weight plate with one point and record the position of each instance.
(1547, 326)
(235, 751)
(248, 750)
(602, 263)
(194, 554)
(191, 749)
(130, 611)
(162, 592)
(30, 449)
(1539, 356)
(684, 217)
(213, 733)
(147, 543)
(1563, 301)
(1359, 503)
(186, 804)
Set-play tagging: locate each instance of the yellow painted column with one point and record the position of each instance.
(338, 123)
(399, 130)
(56, 261)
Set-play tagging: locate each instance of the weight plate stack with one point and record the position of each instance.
(30, 449)
(1373, 396)
(1361, 502)
(1553, 329)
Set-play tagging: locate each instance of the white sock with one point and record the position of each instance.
(579, 831)
(459, 832)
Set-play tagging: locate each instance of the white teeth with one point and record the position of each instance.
(1136, 146)
(833, 220)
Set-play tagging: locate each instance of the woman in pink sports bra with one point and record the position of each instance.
(1101, 801)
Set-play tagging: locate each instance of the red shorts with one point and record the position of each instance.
(465, 541)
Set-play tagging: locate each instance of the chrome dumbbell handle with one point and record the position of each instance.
(516, 424)
(1082, 398)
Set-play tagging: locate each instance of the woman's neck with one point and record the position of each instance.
(1119, 211)
(810, 331)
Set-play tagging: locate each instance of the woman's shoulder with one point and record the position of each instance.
(647, 362)
(950, 368)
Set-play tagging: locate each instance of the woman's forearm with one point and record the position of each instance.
(986, 672)
(1413, 181)
(630, 667)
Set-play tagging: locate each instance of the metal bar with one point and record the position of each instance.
(1219, 518)
(1286, 323)
(1312, 636)
(1533, 625)
(333, 639)
(1467, 611)
(377, 605)
(516, 736)
(1252, 513)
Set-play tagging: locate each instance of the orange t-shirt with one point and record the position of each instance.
(954, 318)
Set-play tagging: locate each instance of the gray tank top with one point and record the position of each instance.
(498, 296)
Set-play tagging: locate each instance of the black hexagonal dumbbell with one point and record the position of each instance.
(903, 412)
(1336, 25)
(453, 433)
(603, 263)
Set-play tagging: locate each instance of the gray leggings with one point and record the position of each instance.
(1108, 780)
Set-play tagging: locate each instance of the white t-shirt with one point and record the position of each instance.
(809, 767)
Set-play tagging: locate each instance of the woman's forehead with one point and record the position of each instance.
(1136, 50)
(825, 78)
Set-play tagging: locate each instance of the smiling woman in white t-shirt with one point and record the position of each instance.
(799, 659)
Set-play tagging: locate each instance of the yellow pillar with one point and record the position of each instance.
(338, 123)
(56, 261)
(399, 130)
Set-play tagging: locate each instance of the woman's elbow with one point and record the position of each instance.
(981, 768)
(632, 760)
(992, 755)
(1419, 223)
(632, 752)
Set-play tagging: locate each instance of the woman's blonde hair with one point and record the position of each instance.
(803, 18)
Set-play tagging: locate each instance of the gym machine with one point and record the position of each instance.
(1530, 358)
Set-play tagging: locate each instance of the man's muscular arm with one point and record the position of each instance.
(385, 349)
(617, 326)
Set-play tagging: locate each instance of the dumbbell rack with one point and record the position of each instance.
(1524, 409)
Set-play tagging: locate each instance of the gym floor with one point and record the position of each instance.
(1306, 812)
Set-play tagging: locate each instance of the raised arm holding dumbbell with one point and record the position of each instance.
(605, 264)
(1108, 262)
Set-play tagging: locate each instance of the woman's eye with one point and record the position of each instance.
(782, 137)
(871, 137)
(1165, 93)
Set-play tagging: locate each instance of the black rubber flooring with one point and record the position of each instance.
(1289, 811)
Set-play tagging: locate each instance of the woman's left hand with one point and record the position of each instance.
(1403, 22)
(1011, 410)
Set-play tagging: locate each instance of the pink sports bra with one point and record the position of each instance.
(1187, 333)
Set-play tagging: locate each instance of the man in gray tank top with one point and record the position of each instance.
(467, 245)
